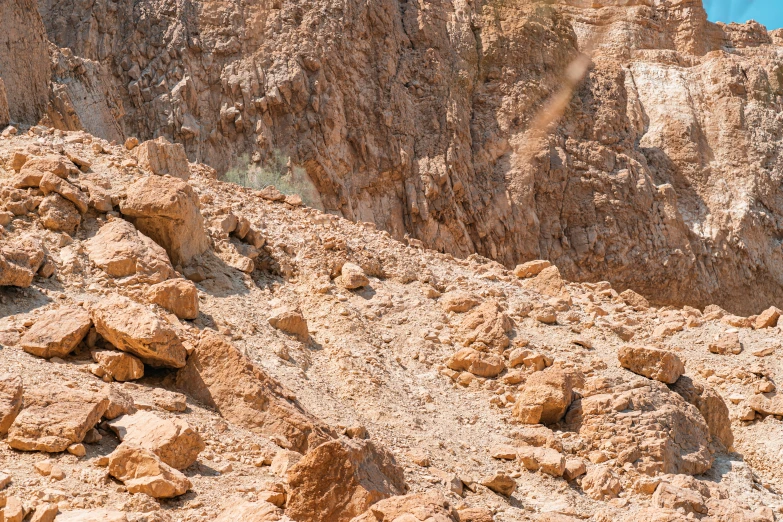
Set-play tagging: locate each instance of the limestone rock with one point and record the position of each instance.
(431, 506)
(250, 512)
(768, 318)
(133, 328)
(548, 282)
(50, 183)
(600, 483)
(531, 268)
(637, 301)
(120, 403)
(500, 483)
(548, 460)
(20, 261)
(178, 296)
(122, 251)
(57, 332)
(353, 277)
(35, 169)
(59, 214)
(144, 472)
(684, 500)
(653, 363)
(10, 400)
(120, 366)
(218, 375)
(711, 406)
(478, 363)
(673, 433)
(162, 157)
(55, 417)
(458, 301)
(172, 440)
(167, 210)
(291, 322)
(341, 479)
(727, 343)
(546, 396)
(487, 324)
(766, 403)
(45, 512)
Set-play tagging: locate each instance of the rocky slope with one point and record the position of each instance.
(179, 348)
(440, 120)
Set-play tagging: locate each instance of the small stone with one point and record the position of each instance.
(531, 268)
(77, 450)
(353, 276)
(500, 483)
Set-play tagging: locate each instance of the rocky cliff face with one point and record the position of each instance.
(438, 120)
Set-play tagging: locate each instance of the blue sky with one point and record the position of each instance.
(767, 12)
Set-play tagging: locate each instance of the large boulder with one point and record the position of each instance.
(54, 417)
(654, 363)
(667, 435)
(341, 479)
(122, 251)
(431, 506)
(478, 363)
(20, 260)
(547, 395)
(487, 324)
(142, 471)
(173, 440)
(167, 210)
(33, 170)
(57, 332)
(547, 282)
(51, 183)
(711, 406)
(218, 375)
(10, 400)
(133, 328)
(161, 157)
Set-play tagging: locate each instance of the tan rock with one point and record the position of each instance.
(475, 514)
(341, 479)
(458, 301)
(548, 460)
(766, 404)
(122, 251)
(57, 332)
(478, 363)
(11, 390)
(144, 472)
(166, 209)
(574, 468)
(503, 451)
(353, 277)
(487, 324)
(283, 461)
(500, 483)
(51, 183)
(120, 366)
(58, 214)
(768, 318)
(20, 260)
(34, 169)
(250, 512)
(45, 512)
(178, 296)
(161, 157)
(547, 282)
(91, 515)
(13, 274)
(634, 300)
(711, 406)
(600, 483)
(120, 403)
(653, 363)
(727, 343)
(680, 499)
(172, 440)
(291, 322)
(531, 268)
(133, 328)
(14, 510)
(54, 417)
(546, 396)
(218, 375)
(431, 506)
